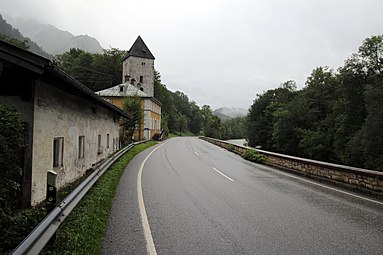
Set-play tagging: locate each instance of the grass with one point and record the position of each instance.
(18, 225)
(84, 229)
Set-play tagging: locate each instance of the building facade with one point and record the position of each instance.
(151, 108)
(138, 67)
(138, 77)
(68, 128)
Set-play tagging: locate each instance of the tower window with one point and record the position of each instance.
(142, 63)
(141, 79)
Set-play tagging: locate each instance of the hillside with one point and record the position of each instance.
(222, 116)
(9, 31)
(225, 113)
(52, 39)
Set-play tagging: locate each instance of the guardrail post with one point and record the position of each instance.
(51, 196)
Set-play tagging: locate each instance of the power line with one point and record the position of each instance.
(81, 67)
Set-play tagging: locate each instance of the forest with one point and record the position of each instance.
(337, 116)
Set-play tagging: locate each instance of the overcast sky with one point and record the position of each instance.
(220, 52)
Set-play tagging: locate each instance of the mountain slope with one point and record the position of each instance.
(9, 31)
(222, 116)
(230, 112)
(52, 39)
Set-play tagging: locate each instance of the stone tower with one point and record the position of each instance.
(138, 67)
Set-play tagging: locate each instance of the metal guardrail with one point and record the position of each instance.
(40, 236)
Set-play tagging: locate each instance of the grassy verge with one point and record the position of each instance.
(84, 229)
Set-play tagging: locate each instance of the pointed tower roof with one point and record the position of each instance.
(139, 49)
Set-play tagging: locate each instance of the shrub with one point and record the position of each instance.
(11, 175)
(230, 147)
(254, 156)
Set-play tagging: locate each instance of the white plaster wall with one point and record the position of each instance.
(133, 67)
(59, 114)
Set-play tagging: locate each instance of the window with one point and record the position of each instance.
(121, 88)
(141, 79)
(99, 150)
(81, 146)
(107, 141)
(142, 63)
(58, 151)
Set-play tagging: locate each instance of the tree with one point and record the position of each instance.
(262, 116)
(132, 106)
(371, 53)
(182, 123)
(96, 71)
(234, 128)
(11, 144)
(337, 117)
(195, 124)
(21, 44)
(212, 126)
(319, 97)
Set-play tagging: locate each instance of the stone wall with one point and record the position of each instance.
(356, 178)
(136, 67)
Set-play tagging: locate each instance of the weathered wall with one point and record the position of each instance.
(59, 114)
(152, 118)
(136, 67)
(356, 178)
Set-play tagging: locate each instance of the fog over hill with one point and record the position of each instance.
(52, 39)
(230, 112)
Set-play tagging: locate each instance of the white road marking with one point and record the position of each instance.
(195, 153)
(333, 189)
(227, 177)
(150, 247)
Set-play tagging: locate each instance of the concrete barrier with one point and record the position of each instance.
(364, 180)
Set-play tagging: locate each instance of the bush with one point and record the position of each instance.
(254, 156)
(230, 147)
(11, 174)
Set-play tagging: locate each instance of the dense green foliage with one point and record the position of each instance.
(94, 70)
(132, 106)
(337, 117)
(11, 174)
(253, 155)
(13, 36)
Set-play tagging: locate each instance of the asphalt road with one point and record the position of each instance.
(202, 199)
